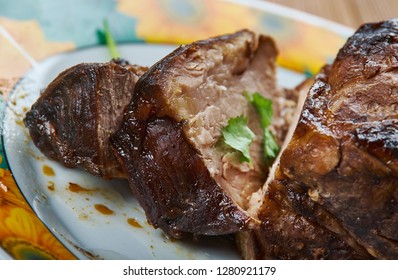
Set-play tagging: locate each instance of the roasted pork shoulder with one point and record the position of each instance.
(169, 141)
(73, 118)
(333, 192)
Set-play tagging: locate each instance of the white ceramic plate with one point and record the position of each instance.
(70, 212)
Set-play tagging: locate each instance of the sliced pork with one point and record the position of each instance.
(73, 118)
(334, 190)
(170, 145)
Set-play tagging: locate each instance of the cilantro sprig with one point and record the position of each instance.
(238, 135)
(263, 107)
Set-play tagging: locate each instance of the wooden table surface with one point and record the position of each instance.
(351, 13)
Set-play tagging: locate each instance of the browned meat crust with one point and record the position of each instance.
(168, 141)
(335, 190)
(74, 116)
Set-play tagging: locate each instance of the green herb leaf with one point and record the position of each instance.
(263, 107)
(106, 36)
(271, 148)
(239, 136)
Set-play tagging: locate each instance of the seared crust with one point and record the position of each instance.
(339, 171)
(157, 144)
(176, 198)
(167, 174)
(74, 116)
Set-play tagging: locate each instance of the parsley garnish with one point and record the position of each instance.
(239, 136)
(263, 107)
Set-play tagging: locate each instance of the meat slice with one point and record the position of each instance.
(73, 118)
(169, 144)
(334, 189)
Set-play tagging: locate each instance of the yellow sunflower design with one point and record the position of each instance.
(302, 45)
(22, 234)
(29, 36)
(184, 21)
